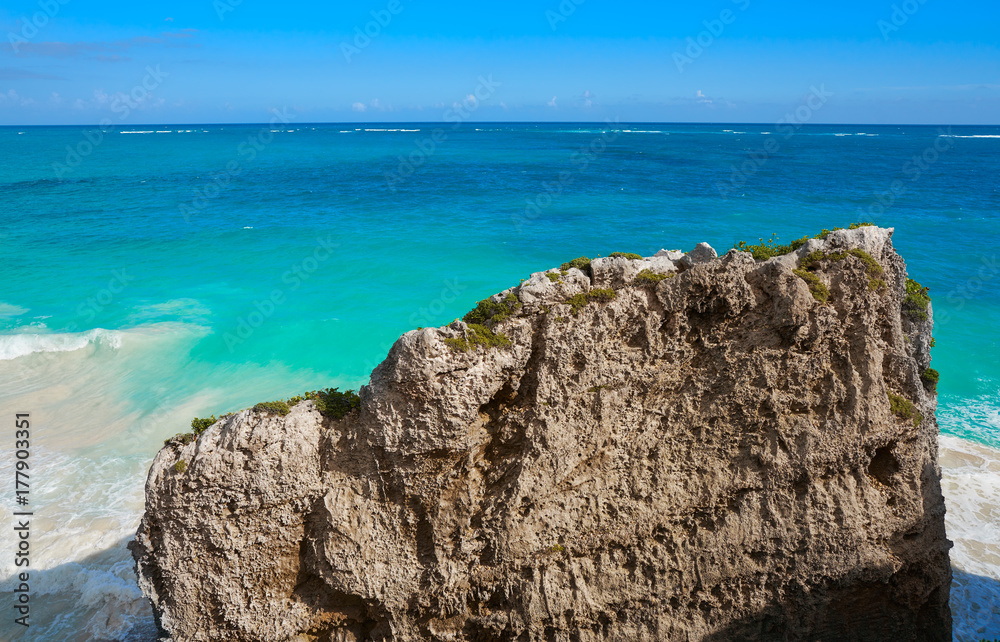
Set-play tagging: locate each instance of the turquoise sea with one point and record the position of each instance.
(151, 274)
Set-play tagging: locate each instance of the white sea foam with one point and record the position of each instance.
(970, 480)
(970, 136)
(10, 310)
(13, 346)
(137, 132)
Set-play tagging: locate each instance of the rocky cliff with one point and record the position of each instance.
(680, 447)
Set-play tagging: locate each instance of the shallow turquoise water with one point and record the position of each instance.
(204, 268)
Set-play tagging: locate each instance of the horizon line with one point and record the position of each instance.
(505, 122)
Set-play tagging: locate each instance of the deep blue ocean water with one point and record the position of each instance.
(154, 273)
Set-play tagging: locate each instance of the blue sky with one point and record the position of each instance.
(209, 61)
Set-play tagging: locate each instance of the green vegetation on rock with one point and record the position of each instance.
(770, 248)
(478, 335)
(180, 466)
(489, 312)
(599, 295)
(279, 408)
(819, 290)
(581, 263)
(872, 267)
(916, 300)
(930, 377)
(625, 255)
(904, 409)
(555, 278)
(648, 278)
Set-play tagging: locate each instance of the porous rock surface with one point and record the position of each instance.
(710, 458)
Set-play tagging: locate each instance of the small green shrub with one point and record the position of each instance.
(819, 290)
(625, 255)
(490, 312)
(904, 409)
(181, 466)
(770, 248)
(648, 278)
(930, 377)
(916, 300)
(578, 301)
(555, 278)
(280, 408)
(557, 548)
(580, 263)
(478, 335)
(334, 404)
(933, 342)
(201, 425)
(561, 320)
(182, 438)
(852, 226)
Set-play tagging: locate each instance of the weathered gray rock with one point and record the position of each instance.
(702, 253)
(712, 458)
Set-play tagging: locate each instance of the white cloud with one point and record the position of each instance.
(552, 103)
(359, 107)
(587, 102)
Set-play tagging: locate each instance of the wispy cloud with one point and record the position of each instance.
(10, 73)
(969, 87)
(552, 103)
(56, 49)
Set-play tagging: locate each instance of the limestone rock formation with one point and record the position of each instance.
(711, 454)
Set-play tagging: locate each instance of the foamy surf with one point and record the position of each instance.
(13, 346)
(970, 479)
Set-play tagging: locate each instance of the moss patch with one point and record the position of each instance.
(647, 278)
(916, 301)
(625, 255)
(555, 278)
(904, 409)
(181, 466)
(478, 335)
